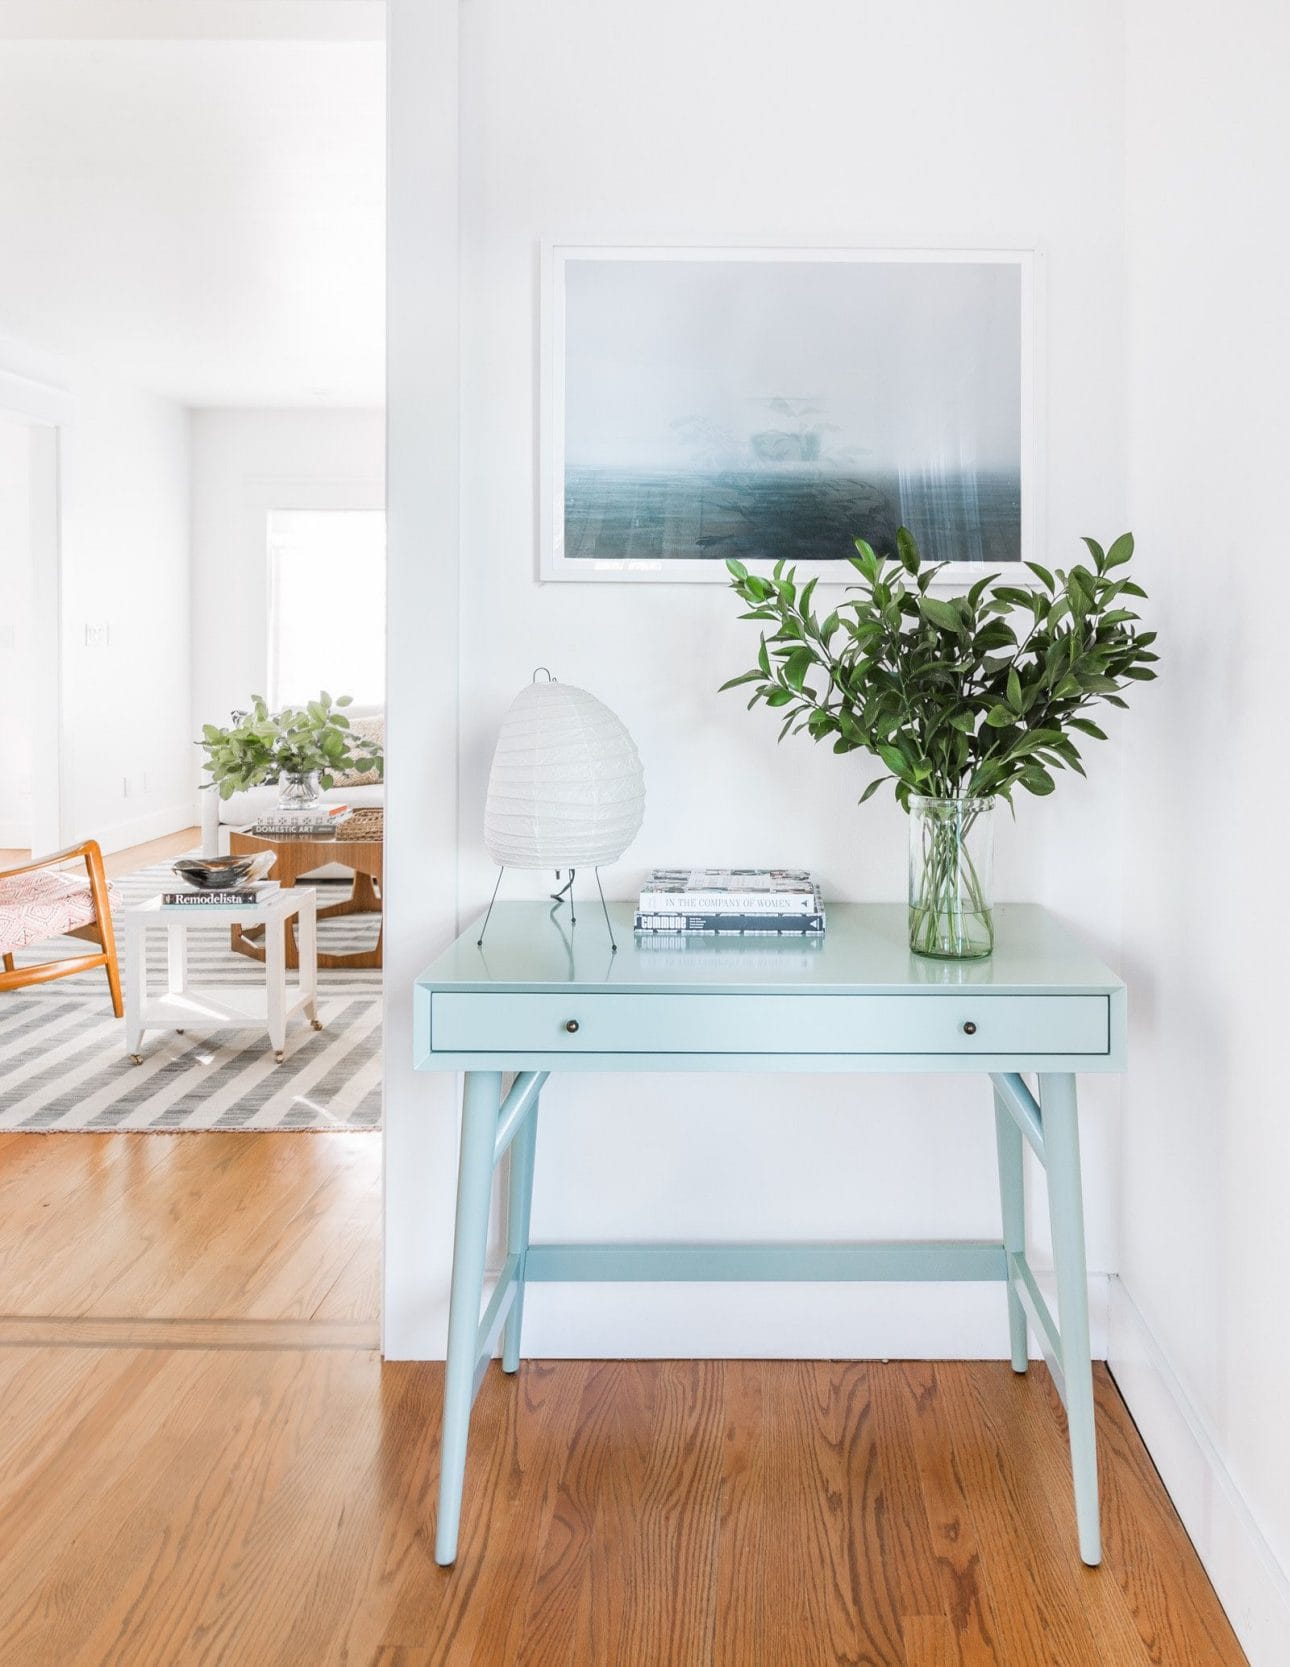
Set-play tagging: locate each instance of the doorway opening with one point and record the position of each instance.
(194, 208)
(30, 810)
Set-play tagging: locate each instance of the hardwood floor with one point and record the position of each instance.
(156, 850)
(194, 1227)
(203, 1460)
(134, 856)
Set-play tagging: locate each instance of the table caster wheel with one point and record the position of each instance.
(137, 1058)
(315, 1024)
(279, 1055)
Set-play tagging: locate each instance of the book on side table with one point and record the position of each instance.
(730, 902)
(206, 897)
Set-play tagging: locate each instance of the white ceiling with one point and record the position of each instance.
(204, 217)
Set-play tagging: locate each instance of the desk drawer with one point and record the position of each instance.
(610, 1022)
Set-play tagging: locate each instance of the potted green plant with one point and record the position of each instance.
(302, 748)
(964, 699)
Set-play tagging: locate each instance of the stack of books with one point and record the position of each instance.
(730, 902)
(318, 823)
(212, 897)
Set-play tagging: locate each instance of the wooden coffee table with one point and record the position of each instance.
(358, 844)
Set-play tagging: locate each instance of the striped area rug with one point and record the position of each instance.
(63, 1064)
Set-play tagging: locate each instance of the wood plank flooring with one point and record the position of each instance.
(187, 1227)
(125, 862)
(203, 1460)
(154, 851)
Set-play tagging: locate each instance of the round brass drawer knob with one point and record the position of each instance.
(969, 1028)
(571, 1025)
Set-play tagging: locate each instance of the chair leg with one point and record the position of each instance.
(8, 964)
(114, 983)
(103, 920)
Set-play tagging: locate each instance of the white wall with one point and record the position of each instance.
(122, 487)
(124, 477)
(996, 125)
(1200, 1343)
(246, 463)
(422, 655)
(15, 631)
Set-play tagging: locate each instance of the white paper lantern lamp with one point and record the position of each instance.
(566, 789)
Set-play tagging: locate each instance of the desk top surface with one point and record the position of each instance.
(532, 946)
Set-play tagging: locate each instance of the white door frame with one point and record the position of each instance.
(421, 575)
(46, 410)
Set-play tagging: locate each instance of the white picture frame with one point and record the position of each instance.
(630, 331)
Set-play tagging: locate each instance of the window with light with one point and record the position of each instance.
(326, 605)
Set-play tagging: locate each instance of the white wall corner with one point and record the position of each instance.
(29, 397)
(137, 830)
(1250, 1582)
(423, 491)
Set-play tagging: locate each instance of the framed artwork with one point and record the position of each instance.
(772, 404)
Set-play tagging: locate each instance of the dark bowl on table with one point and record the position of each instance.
(214, 873)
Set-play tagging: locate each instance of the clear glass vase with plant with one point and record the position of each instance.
(287, 746)
(964, 699)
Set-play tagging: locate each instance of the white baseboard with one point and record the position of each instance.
(1251, 1584)
(156, 824)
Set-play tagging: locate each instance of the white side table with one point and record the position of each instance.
(184, 1006)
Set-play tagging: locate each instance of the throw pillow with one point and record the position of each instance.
(366, 729)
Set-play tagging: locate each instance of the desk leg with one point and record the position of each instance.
(481, 1100)
(1065, 1204)
(1012, 1196)
(275, 971)
(519, 1212)
(307, 953)
(136, 987)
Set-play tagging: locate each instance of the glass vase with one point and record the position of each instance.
(298, 790)
(951, 855)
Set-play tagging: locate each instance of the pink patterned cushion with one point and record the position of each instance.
(42, 904)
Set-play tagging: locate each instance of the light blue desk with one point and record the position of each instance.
(542, 996)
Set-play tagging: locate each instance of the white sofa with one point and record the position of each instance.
(220, 815)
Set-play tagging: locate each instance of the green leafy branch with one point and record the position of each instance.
(967, 695)
(260, 745)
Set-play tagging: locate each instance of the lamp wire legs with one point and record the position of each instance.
(605, 907)
(479, 941)
(563, 894)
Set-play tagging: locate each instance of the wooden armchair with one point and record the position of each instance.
(38, 901)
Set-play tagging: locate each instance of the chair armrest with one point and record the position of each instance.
(89, 849)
